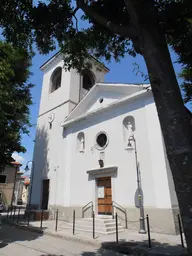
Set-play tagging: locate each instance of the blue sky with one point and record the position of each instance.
(119, 72)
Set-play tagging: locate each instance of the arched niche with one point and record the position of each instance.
(128, 129)
(81, 142)
(55, 81)
(88, 80)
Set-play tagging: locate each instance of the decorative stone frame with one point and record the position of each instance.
(107, 142)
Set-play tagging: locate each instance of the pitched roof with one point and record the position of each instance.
(16, 163)
(19, 172)
(24, 177)
(59, 52)
(85, 108)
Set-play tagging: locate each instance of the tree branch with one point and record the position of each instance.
(131, 12)
(74, 12)
(124, 31)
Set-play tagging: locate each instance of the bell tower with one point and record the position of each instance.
(67, 88)
(61, 92)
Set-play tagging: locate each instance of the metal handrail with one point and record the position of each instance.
(118, 206)
(85, 207)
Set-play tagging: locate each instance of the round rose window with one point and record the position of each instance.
(102, 140)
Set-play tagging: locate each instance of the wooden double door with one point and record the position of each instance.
(104, 195)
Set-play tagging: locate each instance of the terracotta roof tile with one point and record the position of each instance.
(16, 163)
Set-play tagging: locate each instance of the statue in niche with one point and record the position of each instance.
(129, 129)
(129, 133)
(81, 144)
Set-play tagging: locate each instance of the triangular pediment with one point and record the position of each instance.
(101, 96)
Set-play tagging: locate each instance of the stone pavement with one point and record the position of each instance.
(129, 241)
(127, 235)
(19, 242)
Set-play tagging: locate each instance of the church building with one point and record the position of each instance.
(100, 144)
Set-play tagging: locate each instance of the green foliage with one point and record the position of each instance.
(77, 44)
(179, 36)
(15, 99)
(187, 84)
(105, 34)
(15, 21)
(56, 22)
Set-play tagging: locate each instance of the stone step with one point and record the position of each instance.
(98, 230)
(102, 226)
(90, 226)
(103, 216)
(97, 223)
(98, 220)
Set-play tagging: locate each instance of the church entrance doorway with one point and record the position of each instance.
(104, 195)
(45, 194)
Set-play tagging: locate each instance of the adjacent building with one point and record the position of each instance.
(25, 189)
(8, 179)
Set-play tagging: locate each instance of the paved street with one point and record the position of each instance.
(18, 242)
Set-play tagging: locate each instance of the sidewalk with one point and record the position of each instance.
(130, 242)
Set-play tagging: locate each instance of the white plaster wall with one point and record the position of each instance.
(48, 149)
(76, 82)
(109, 92)
(99, 74)
(51, 150)
(61, 95)
(69, 90)
(57, 159)
(123, 187)
(108, 98)
(65, 162)
(156, 149)
(173, 196)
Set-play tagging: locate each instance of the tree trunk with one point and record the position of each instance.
(174, 119)
(148, 40)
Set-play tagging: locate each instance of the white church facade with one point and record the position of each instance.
(100, 144)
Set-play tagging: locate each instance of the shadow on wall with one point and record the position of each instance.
(41, 152)
(139, 196)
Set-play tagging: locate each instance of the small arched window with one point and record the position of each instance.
(88, 80)
(56, 79)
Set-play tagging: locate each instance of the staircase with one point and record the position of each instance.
(103, 225)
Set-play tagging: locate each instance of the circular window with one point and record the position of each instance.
(101, 100)
(102, 140)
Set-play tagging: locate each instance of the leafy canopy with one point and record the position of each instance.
(105, 33)
(15, 99)
(186, 75)
(108, 32)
